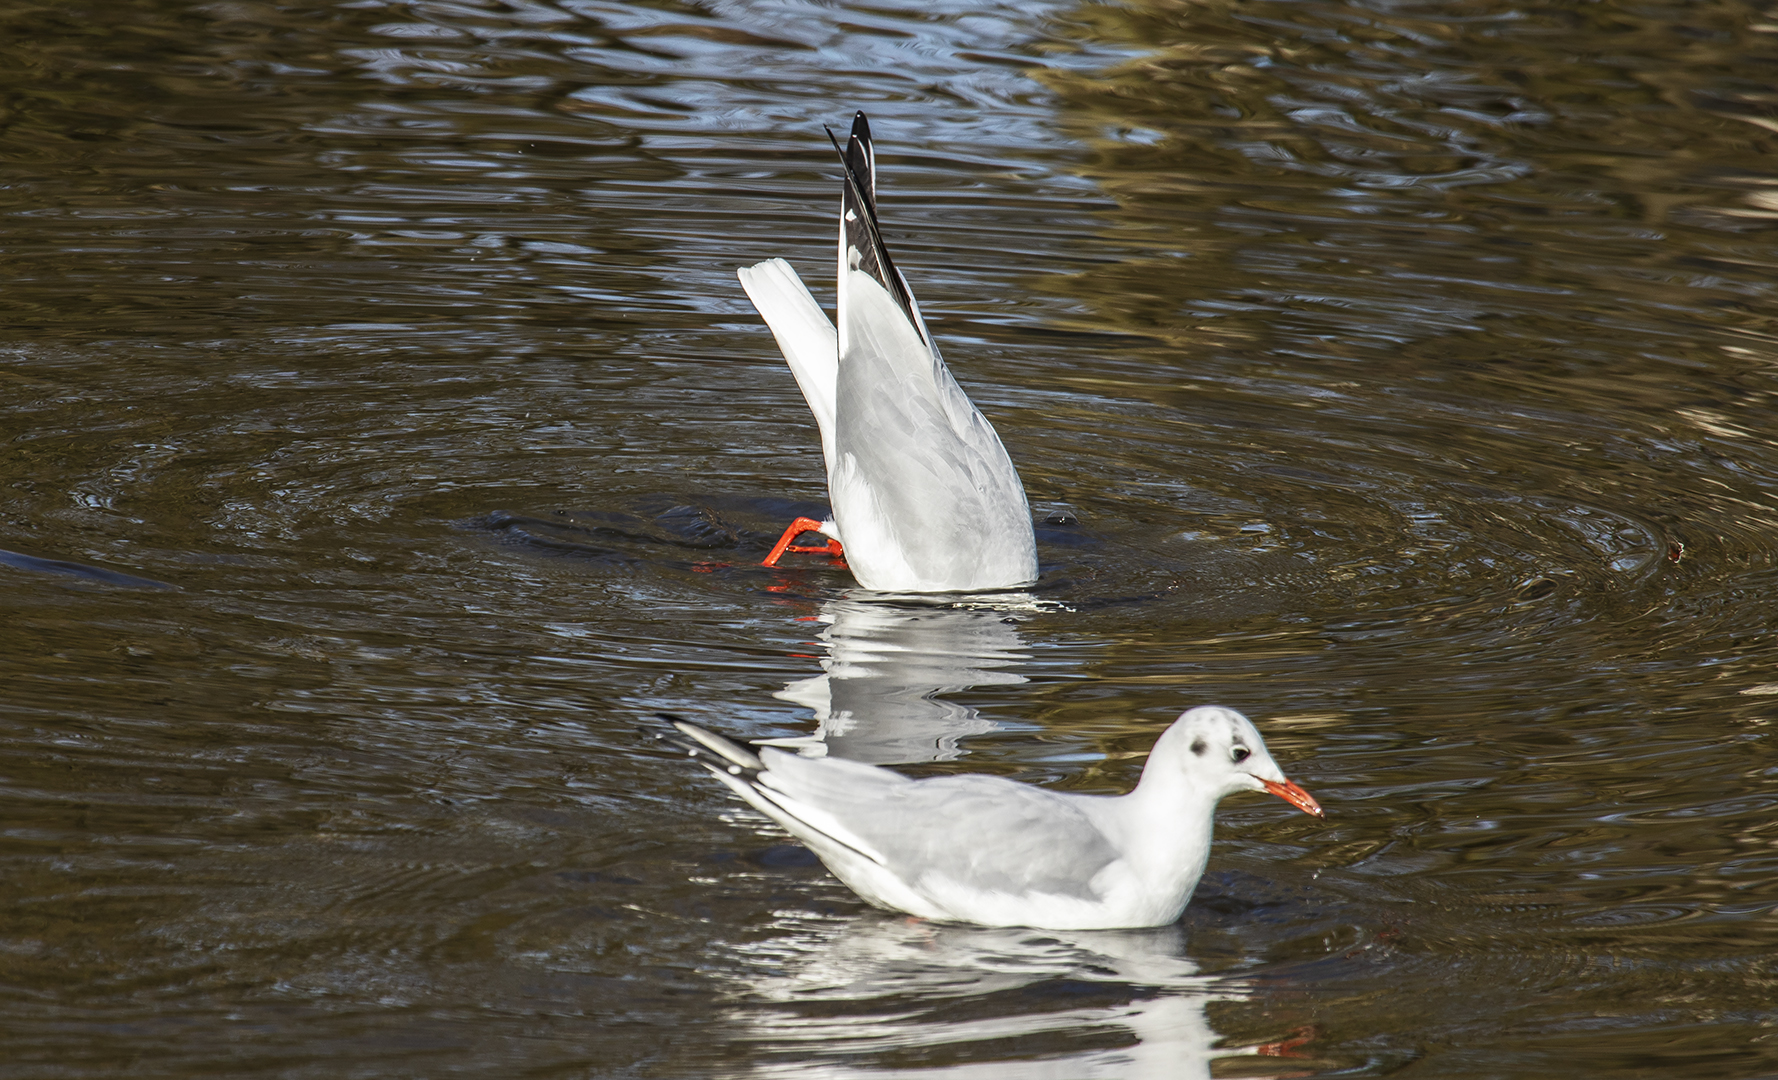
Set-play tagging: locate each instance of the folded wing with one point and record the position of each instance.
(982, 833)
(922, 488)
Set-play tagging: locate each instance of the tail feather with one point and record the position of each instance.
(805, 336)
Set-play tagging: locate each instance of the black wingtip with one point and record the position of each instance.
(671, 737)
(866, 235)
(717, 753)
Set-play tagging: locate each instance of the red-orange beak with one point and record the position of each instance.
(1295, 796)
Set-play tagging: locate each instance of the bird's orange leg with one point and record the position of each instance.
(1288, 1047)
(798, 527)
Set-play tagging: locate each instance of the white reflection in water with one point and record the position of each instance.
(879, 698)
(972, 1003)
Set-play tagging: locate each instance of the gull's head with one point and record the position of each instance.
(1220, 750)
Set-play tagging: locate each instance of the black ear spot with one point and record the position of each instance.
(1240, 753)
(1198, 747)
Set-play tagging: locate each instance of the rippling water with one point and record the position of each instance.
(386, 435)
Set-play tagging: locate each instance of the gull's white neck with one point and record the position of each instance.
(1171, 821)
(1164, 829)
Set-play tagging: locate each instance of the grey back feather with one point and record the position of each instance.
(983, 831)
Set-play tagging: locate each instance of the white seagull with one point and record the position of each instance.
(987, 850)
(925, 499)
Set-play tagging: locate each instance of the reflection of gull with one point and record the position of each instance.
(979, 1004)
(878, 698)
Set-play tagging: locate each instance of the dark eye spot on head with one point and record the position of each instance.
(1198, 746)
(1240, 753)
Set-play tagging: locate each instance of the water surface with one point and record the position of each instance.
(386, 436)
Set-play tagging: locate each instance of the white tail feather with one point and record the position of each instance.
(805, 336)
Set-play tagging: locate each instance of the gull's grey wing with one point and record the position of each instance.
(925, 495)
(982, 832)
(921, 474)
(992, 834)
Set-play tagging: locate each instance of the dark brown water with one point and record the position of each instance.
(385, 435)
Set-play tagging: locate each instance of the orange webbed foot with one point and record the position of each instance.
(798, 527)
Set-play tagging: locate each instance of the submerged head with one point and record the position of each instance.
(1219, 749)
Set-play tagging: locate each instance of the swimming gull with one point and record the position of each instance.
(987, 850)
